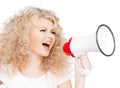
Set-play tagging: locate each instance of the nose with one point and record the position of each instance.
(50, 35)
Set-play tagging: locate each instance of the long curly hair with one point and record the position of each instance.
(14, 41)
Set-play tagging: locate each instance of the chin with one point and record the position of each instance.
(46, 54)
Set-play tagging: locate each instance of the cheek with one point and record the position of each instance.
(53, 39)
(35, 40)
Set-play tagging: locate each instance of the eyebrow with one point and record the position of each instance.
(52, 29)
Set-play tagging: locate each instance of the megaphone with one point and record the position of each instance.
(102, 40)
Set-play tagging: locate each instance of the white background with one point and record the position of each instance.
(81, 18)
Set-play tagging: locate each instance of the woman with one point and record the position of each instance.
(31, 53)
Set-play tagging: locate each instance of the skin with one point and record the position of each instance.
(45, 33)
(39, 37)
(81, 61)
(79, 77)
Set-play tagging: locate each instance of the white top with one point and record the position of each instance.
(47, 80)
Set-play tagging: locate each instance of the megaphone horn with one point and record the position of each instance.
(107, 40)
(102, 40)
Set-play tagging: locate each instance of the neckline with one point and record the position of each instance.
(38, 77)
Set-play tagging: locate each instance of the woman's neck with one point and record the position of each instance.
(35, 67)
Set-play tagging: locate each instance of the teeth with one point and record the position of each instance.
(46, 44)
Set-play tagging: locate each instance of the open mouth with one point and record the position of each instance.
(46, 45)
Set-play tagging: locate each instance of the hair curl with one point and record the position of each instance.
(14, 40)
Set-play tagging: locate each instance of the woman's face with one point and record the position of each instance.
(42, 37)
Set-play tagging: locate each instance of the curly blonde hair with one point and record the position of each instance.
(14, 41)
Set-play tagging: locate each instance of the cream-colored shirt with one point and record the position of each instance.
(47, 80)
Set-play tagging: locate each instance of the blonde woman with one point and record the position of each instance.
(31, 53)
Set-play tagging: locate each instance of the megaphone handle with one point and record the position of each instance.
(82, 71)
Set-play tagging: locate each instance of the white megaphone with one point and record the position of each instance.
(102, 40)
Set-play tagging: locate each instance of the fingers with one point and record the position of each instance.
(83, 64)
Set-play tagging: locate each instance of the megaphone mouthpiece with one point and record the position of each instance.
(66, 48)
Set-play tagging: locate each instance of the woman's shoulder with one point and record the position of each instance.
(3, 76)
(2, 73)
(59, 78)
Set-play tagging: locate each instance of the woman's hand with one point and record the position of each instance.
(82, 68)
(82, 65)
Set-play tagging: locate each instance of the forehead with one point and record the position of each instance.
(44, 22)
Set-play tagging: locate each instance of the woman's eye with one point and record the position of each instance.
(42, 30)
(53, 33)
